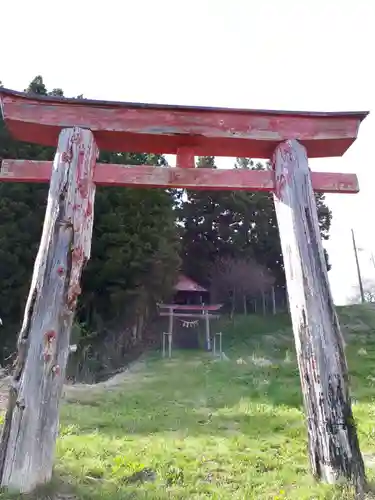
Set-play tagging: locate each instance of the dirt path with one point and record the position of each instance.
(74, 391)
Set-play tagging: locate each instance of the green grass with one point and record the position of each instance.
(210, 429)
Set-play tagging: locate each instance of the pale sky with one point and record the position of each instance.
(313, 55)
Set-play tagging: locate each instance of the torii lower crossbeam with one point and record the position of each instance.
(189, 178)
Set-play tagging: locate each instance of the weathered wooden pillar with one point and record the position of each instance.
(31, 424)
(333, 444)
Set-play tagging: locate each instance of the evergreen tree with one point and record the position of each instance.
(235, 224)
(135, 243)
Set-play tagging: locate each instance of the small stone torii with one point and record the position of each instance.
(80, 128)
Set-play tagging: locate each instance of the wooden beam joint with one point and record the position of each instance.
(185, 158)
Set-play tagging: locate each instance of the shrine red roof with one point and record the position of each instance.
(185, 284)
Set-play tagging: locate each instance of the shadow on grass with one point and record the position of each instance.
(57, 489)
(204, 399)
(214, 398)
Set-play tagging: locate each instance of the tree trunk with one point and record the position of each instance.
(233, 306)
(264, 303)
(244, 304)
(333, 444)
(31, 423)
(273, 301)
(207, 329)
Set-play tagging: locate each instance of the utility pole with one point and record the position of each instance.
(358, 269)
(372, 259)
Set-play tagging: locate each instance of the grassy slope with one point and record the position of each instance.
(220, 430)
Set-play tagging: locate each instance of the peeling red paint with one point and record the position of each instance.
(66, 157)
(77, 254)
(47, 357)
(50, 335)
(83, 187)
(56, 370)
(73, 294)
(89, 210)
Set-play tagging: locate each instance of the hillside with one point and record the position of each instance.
(196, 428)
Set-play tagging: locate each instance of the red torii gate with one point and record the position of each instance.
(80, 127)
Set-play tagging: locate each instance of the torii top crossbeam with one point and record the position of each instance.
(120, 126)
(185, 131)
